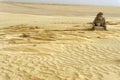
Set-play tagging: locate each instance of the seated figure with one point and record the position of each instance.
(99, 21)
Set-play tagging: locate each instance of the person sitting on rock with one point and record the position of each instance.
(99, 21)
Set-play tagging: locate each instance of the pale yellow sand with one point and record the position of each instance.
(44, 47)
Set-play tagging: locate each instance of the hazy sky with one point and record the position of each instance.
(86, 2)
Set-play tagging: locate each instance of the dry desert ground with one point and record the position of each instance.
(55, 42)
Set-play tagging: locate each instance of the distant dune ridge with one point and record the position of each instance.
(72, 2)
(44, 9)
(57, 44)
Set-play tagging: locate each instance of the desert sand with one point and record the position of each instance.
(55, 42)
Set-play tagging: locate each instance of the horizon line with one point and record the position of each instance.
(60, 4)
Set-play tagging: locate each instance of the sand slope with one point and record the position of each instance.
(55, 10)
(37, 47)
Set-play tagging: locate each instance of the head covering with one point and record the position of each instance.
(100, 13)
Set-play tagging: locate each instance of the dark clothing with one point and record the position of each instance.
(99, 21)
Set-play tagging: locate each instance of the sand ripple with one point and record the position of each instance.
(59, 54)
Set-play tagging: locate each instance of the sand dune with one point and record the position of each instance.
(58, 10)
(42, 47)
